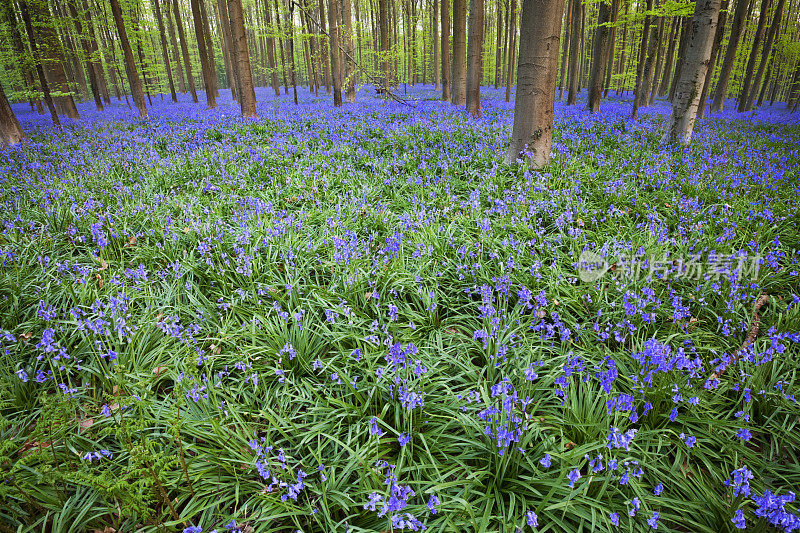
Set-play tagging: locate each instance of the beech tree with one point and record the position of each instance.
(445, 49)
(241, 60)
(10, 130)
(693, 71)
(474, 58)
(202, 51)
(532, 133)
(600, 61)
(458, 76)
(130, 64)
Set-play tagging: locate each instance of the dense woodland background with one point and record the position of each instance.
(179, 46)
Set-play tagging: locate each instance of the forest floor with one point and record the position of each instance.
(360, 319)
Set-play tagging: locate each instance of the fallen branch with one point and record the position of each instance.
(382, 89)
(752, 333)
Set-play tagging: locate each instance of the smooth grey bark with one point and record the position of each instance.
(575, 39)
(185, 50)
(532, 133)
(458, 77)
(475, 58)
(723, 17)
(751, 60)
(597, 74)
(765, 56)
(693, 71)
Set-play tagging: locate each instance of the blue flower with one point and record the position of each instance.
(614, 518)
(574, 476)
(545, 461)
(533, 520)
(738, 520)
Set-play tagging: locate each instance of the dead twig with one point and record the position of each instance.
(375, 81)
(752, 333)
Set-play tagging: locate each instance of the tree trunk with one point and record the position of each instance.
(210, 59)
(458, 77)
(349, 51)
(130, 64)
(737, 28)
(240, 55)
(574, 53)
(723, 17)
(659, 65)
(333, 32)
(693, 71)
(383, 10)
(498, 56)
(620, 70)
(686, 33)
(160, 22)
(324, 46)
(10, 131)
(37, 60)
(663, 86)
(185, 50)
(751, 60)
(644, 49)
(176, 55)
(512, 48)
(202, 51)
(597, 74)
(563, 79)
(475, 58)
(540, 33)
(765, 55)
(223, 17)
(612, 35)
(52, 56)
(273, 67)
(643, 93)
(437, 78)
(87, 51)
(290, 48)
(445, 48)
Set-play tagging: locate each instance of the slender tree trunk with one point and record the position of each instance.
(87, 51)
(383, 10)
(686, 26)
(160, 22)
(512, 48)
(349, 51)
(333, 32)
(23, 60)
(228, 54)
(273, 67)
(737, 28)
(290, 49)
(751, 60)
(445, 5)
(612, 34)
(211, 61)
(312, 42)
(765, 55)
(324, 46)
(643, 93)
(10, 131)
(532, 132)
(176, 55)
(53, 59)
(185, 50)
(437, 78)
(37, 60)
(241, 59)
(643, 51)
(693, 71)
(565, 49)
(202, 50)
(723, 16)
(97, 57)
(574, 53)
(498, 56)
(458, 77)
(600, 62)
(475, 58)
(130, 64)
(621, 63)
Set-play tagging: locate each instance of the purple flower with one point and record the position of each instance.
(574, 476)
(653, 520)
(403, 439)
(614, 518)
(533, 520)
(433, 501)
(738, 519)
(546, 461)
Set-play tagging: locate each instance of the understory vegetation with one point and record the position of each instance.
(361, 319)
